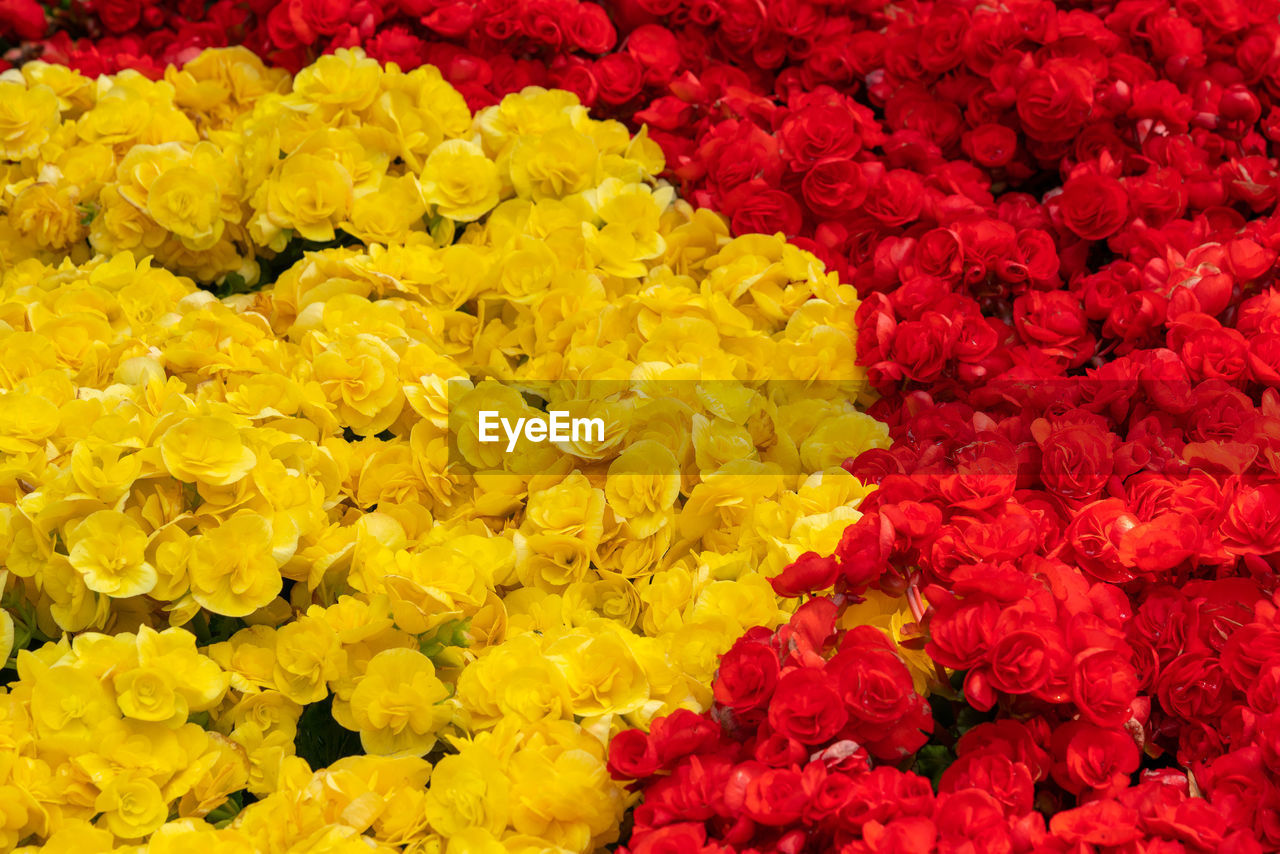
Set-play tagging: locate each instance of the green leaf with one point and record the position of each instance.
(232, 283)
(931, 761)
(226, 811)
(26, 626)
(449, 634)
(222, 628)
(321, 740)
(969, 717)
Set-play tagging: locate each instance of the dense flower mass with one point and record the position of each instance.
(1039, 615)
(804, 747)
(1080, 392)
(241, 541)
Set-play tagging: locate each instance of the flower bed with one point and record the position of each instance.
(1060, 225)
(271, 575)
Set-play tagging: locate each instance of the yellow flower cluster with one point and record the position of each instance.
(254, 514)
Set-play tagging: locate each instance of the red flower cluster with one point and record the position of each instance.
(801, 748)
(21, 18)
(487, 48)
(1081, 384)
(797, 751)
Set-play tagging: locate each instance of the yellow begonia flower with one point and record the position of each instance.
(75, 836)
(232, 569)
(643, 485)
(131, 807)
(307, 655)
(582, 810)
(28, 117)
(459, 181)
(554, 165)
(46, 215)
(206, 449)
(184, 200)
(108, 549)
(359, 377)
(310, 195)
(601, 671)
(468, 789)
(475, 840)
(390, 215)
(398, 705)
(147, 694)
(346, 79)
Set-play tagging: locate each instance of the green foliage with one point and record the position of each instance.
(321, 740)
(450, 634)
(931, 761)
(272, 266)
